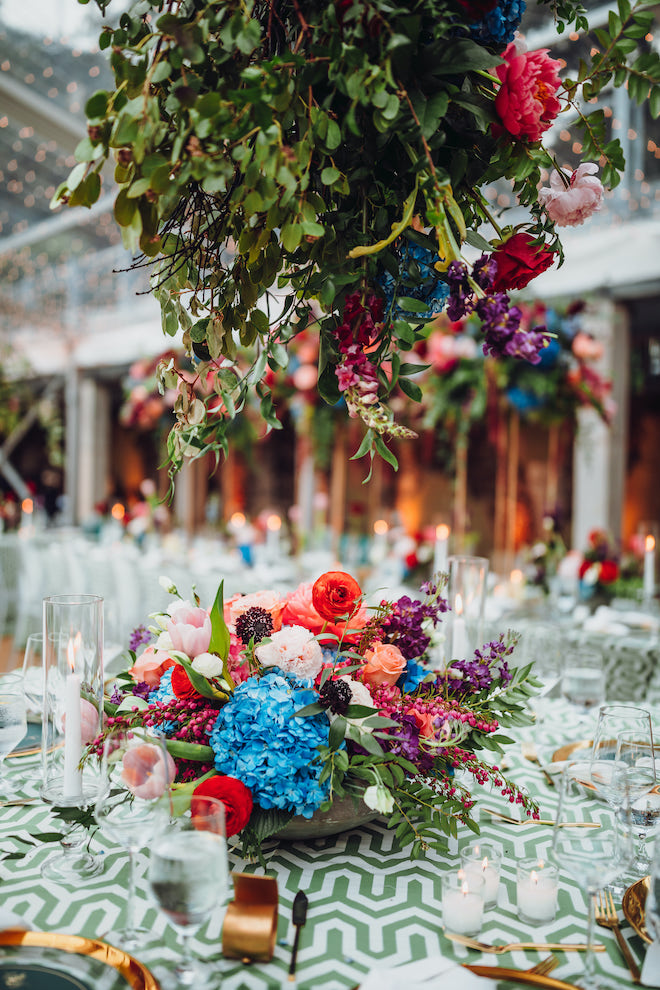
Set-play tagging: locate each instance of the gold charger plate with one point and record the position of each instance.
(136, 975)
(565, 752)
(633, 904)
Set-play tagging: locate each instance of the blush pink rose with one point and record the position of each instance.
(190, 629)
(300, 611)
(271, 601)
(384, 664)
(572, 200)
(89, 722)
(526, 101)
(150, 666)
(147, 770)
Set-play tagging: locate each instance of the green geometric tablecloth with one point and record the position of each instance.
(368, 904)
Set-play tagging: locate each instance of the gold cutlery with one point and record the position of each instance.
(538, 821)
(473, 943)
(529, 753)
(19, 802)
(607, 917)
(545, 966)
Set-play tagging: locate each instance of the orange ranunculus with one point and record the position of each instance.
(300, 611)
(384, 664)
(336, 595)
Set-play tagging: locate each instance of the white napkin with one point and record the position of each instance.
(651, 967)
(423, 974)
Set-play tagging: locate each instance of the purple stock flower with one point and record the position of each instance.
(504, 337)
(404, 625)
(489, 664)
(142, 690)
(140, 636)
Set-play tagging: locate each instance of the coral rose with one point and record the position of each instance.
(235, 796)
(519, 260)
(572, 200)
(147, 770)
(384, 664)
(189, 629)
(336, 595)
(526, 101)
(150, 666)
(300, 611)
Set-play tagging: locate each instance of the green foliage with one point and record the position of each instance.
(269, 152)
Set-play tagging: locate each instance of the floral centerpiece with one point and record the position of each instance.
(599, 569)
(281, 163)
(281, 704)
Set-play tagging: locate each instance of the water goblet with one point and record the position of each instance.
(13, 726)
(583, 682)
(639, 755)
(614, 719)
(594, 857)
(542, 645)
(187, 877)
(132, 804)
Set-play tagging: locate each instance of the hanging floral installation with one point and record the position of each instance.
(285, 161)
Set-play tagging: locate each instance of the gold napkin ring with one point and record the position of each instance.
(250, 925)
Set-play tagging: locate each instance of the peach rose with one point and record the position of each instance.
(384, 664)
(271, 601)
(150, 666)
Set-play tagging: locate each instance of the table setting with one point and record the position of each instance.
(494, 898)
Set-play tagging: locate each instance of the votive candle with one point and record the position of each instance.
(463, 902)
(648, 588)
(72, 786)
(536, 890)
(485, 859)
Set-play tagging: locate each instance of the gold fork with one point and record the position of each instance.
(538, 821)
(545, 966)
(606, 917)
(473, 943)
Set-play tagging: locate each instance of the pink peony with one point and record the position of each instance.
(570, 206)
(271, 601)
(526, 101)
(294, 650)
(150, 666)
(147, 770)
(190, 629)
(300, 611)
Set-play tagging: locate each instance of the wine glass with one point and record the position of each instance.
(639, 756)
(583, 682)
(543, 646)
(594, 857)
(132, 804)
(13, 726)
(187, 876)
(614, 719)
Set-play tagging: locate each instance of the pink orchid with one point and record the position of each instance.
(147, 770)
(189, 629)
(570, 206)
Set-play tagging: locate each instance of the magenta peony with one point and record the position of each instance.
(571, 201)
(526, 100)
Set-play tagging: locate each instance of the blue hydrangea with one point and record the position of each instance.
(256, 739)
(414, 674)
(164, 694)
(499, 26)
(417, 279)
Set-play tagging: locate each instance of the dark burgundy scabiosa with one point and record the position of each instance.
(256, 623)
(336, 695)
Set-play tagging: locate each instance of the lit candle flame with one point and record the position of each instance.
(72, 648)
(649, 543)
(534, 877)
(484, 863)
(442, 531)
(273, 523)
(458, 604)
(118, 511)
(380, 527)
(465, 889)
(27, 505)
(237, 520)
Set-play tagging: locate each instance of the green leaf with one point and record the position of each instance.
(220, 639)
(189, 751)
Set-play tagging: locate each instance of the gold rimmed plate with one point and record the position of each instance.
(134, 973)
(565, 752)
(634, 907)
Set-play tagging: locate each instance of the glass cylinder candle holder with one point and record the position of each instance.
(466, 595)
(486, 860)
(463, 902)
(71, 717)
(536, 890)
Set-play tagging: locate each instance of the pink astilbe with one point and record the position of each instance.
(571, 200)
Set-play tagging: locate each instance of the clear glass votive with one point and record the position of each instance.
(463, 902)
(536, 890)
(486, 859)
(466, 596)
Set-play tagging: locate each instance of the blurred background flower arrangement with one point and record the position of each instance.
(283, 704)
(286, 163)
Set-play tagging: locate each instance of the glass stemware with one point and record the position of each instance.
(614, 719)
(639, 755)
(133, 803)
(594, 857)
(187, 877)
(542, 645)
(583, 682)
(33, 674)
(13, 726)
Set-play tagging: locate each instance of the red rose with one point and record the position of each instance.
(609, 571)
(336, 594)
(476, 10)
(235, 796)
(519, 260)
(181, 685)
(584, 567)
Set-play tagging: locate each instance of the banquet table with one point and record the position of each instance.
(369, 904)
